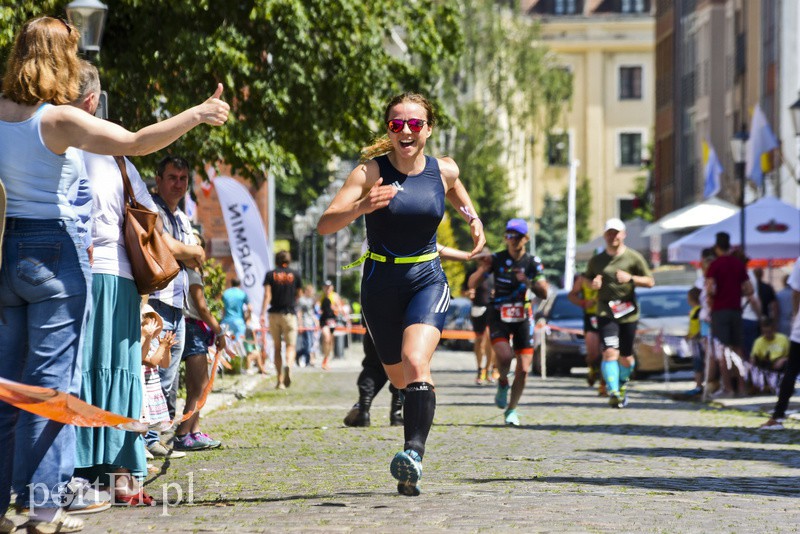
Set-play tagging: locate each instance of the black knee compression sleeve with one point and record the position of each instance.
(372, 377)
(418, 410)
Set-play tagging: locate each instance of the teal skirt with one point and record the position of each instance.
(111, 377)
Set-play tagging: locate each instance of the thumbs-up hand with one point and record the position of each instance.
(214, 111)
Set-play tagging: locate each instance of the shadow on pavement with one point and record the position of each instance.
(703, 433)
(328, 498)
(766, 486)
(785, 457)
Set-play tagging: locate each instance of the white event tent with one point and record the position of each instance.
(772, 232)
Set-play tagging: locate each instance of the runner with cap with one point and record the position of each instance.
(515, 271)
(615, 273)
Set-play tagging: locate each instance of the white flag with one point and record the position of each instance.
(252, 253)
(761, 140)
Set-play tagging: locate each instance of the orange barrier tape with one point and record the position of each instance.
(62, 407)
(70, 410)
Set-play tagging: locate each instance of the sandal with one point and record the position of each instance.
(134, 499)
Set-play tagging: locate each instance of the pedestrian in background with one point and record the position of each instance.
(767, 297)
(308, 326)
(615, 274)
(404, 293)
(202, 331)
(282, 287)
(43, 71)
(785, 308)
(172, 182)
(479, 288)
(514, 272)
(329, 312)
(793, 365)
(235, 310)
(584, 296)
(727, 283)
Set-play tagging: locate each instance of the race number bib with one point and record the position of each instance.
(621, 308)
(512, 313)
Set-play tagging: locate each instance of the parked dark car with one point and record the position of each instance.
(563, 335)
(663, 324)
(458, 319)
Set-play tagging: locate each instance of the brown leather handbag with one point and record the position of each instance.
(152, 263)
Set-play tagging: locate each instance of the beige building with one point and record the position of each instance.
(609, 47)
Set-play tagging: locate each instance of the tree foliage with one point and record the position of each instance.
(306, 80)
(213, 286)
(505, 88)
(477, 151)
(453, 269)
(551, 240)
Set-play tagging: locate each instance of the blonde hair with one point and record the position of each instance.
(382, 144)
(43, 64)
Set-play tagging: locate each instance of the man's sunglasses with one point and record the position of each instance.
(513, 235)
(397, 125)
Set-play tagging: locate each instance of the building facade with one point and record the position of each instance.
(715, 60)
(609, 48)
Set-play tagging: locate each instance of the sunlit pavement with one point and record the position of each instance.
(575, 464)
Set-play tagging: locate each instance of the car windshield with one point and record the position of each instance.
(663, 303)
(563, 309)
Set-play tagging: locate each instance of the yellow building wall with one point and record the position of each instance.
(594, 51)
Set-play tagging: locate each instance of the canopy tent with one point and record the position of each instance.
(703, 213)
(772, 232)
(633, 239)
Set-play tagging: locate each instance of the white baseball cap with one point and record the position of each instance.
(614, 224)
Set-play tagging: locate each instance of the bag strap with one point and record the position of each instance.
(126, 182)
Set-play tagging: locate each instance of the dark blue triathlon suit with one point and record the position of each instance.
(508, 315)
(395, 296)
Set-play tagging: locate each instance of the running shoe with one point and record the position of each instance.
(406, 467)
(83, 498)
(623, 392)
(615, 399)
(601, 390)
(202, 437)
(501, 398)
(772, 424)
(187, 442)
(512, 419)
(355, 417)
(591, 376)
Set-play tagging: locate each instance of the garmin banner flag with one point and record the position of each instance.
(252, 253)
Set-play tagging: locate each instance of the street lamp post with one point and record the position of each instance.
(89, 16)
(313, 213)
(738, 148)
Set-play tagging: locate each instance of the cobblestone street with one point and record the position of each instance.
(575, 465)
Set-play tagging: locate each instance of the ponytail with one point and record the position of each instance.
(380, 146)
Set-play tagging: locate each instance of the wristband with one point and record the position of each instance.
(470, 216)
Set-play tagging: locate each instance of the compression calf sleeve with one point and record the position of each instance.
(370, 382)
(418, 410)
(610, 371)
(625, 372)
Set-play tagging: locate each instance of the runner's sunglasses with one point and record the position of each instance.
(513, 235)
(397, 125)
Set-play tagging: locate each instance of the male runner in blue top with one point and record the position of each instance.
(515, 271)
(404, 291)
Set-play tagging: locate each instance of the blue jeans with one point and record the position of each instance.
(44, 282)
(174, 322)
